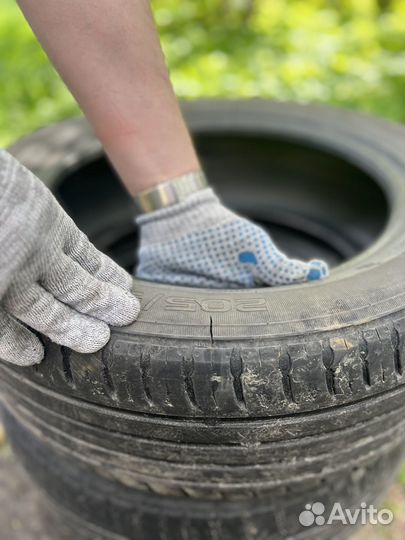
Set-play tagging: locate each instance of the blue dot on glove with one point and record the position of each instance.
(314, 274)
(247, 257)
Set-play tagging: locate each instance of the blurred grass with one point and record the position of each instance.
(342, 52)
(394, 501)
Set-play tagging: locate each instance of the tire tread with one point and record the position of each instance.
(232, 381)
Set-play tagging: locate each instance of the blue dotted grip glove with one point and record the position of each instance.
(201, 243)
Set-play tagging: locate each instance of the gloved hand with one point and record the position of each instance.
(199, 242)
(51, 277)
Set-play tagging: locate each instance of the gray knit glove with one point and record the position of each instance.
(201, 243)
(52, 279)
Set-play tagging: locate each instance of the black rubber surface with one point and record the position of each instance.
(222, 413)
(147, 510)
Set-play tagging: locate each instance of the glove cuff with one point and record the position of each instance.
(201, 210)
(170, 192)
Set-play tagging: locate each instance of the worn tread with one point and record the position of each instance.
(219, 381)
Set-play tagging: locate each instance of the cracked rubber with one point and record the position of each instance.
(220, 414)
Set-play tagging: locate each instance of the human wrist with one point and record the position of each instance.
(150, 151)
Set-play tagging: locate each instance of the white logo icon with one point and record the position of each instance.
(312, 514)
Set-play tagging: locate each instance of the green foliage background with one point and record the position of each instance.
(343, 52)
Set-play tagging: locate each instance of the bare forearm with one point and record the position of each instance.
(109, 55)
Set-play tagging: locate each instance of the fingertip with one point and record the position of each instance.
(93, 338)
(128, 310)
(318, 270)
(314, 274)
(38, 353)
(30, 355)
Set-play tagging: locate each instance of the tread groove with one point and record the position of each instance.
(236, 367)
(396, 343)
(212, 332)
(66, 367)
(144, 365)
(364, 354)
(285, 367)
(380, 338)
(328, 358)
(107, 378)
(187, 368)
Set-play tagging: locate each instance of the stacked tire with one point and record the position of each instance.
(221, 414)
